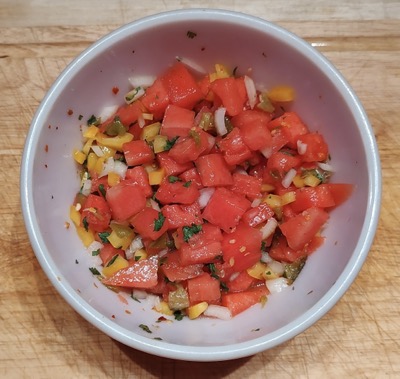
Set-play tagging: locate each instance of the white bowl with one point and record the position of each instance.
(49, 179)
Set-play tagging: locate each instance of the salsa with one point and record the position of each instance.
(204, 191)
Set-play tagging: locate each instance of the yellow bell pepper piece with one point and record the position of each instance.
(149, 132)
(121, 239)
(298, 181)
(74, 215)
(267, 187)
(79, 156)
(274, 201)
(107, 152)
(156, 176)
(91, 132)
(257, 271)
(140, 254)
(117, 264)
(86, 236)
(98, 168)
(86, 147)
(113, 179)
(220, 72)
(91, 161)
(311, 181)
(159, 143)
(288, 197)
(269, 274)
(114, 142)
(163, 308)
(196, 310)
(281, 93)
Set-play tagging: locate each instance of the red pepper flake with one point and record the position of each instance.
(49, 126)
(112, 316)
(46, 148)
(70, 112)
(128, 312)
(45, 166)
(115, 90)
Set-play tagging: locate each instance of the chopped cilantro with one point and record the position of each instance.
(93, 120)
(76, 261)
(85, 224)
(170, 143)
(95, 252)
(112, 260)
(157, 338)
(145, 328)
(173, 179)
(190, 231)
(102, 190)
(159, 222)
(135, 298)
(103, 236)
(94, 271)
(187, 184)
(191, 34)
(80, 117)
(178, 315)
(223, 286)
(234, 71)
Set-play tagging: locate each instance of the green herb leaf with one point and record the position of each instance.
(173, 179)
(157, 338)
(190, 231)
(112, 260)
(223, 286)
(94, 271)
(102, 190)
(159, 222)
(187, 184)
(191, 34)
(170, 143)
(103, 236)
(93, 120)
(80, 117)
(85, 224)
(116, 128)
(135, 298)
(95, 252)
(76, 261)
(178, 315)
(145, 328)
(292, 270)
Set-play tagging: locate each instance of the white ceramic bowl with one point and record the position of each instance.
(325, 101)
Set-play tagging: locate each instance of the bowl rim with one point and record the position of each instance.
(220, 352)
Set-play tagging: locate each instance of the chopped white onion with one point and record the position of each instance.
(277, 285)
(139, 294)
(218, 311)
(192, 64)
(325, 166)
(301, 147)
(266, 151)
(256, 203)
(108, 167)
(141, 121)
(86, 187)
(162, 253)
(219, 120)
(155, 205)
(135, 245)
(95, 245)
(265, 258)
(269, 228)
(205, 195)
(233, 276)
(120, 168)
(251, 91)
(142, 80)
(97, 150)
(276, 267)
(240, 170)
(288, 178)
(107, 112)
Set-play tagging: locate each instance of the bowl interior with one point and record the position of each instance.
(147, 47)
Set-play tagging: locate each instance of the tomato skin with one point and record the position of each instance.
(182, 215)
(97, 213)
(242, 248)
(317, 148)
(225, 208)
(257, 215)
(170, 166)
(237, 302)
(300, 229)
(246, 185)
(141, 274)
(177, 121)
(213, 170)
(308, 197)
(178, 192)
(138, 176)
(175, 271)
(137, 152)
(234, 150)
(145, 224)
(203, 288)
(125, 200)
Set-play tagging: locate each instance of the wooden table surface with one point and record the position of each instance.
(42, 337)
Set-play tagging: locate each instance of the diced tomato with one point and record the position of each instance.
(149, 223)
(170, 166)
(300, 229)
(230, 92)
(192, 175)
(142, 274)
(234, 149)
(257, 215)
(182, 87)
(246, 185)
(156, 99)
(98, 183)
(175, 271)
(308, 197)
(96, 212)
(280, 163)
(279, 139)
(203, 288)
(108, 251)
(242, 281)
(177, 121)
(242, 248)
(137, 152)
(202, 252)
(340, 192)
(213, 170)
(181, 215)
(253, 127)
(237, 302)
(225, 208)
(177, 192)
(125, 200)
(317, 149)
(139, 176)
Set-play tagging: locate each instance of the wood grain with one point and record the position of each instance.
(42, 337)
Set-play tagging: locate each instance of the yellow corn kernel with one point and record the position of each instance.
(118, 264)
(113, 179)
(98, 168)
(149, 132)
(281, 93)
(269, 274)
(298, 181)
(274, 201)
(311, 181)
(288, 197)
(79, 156)
(86, 236)
(91, 161)
(257, 271)
(74, 215)
(159, 143)
(156, 176)
(114, 142)
(91, 132)
(196, 310)
(267, 187)
(220, 72)
(162, 307)
(139, 255)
